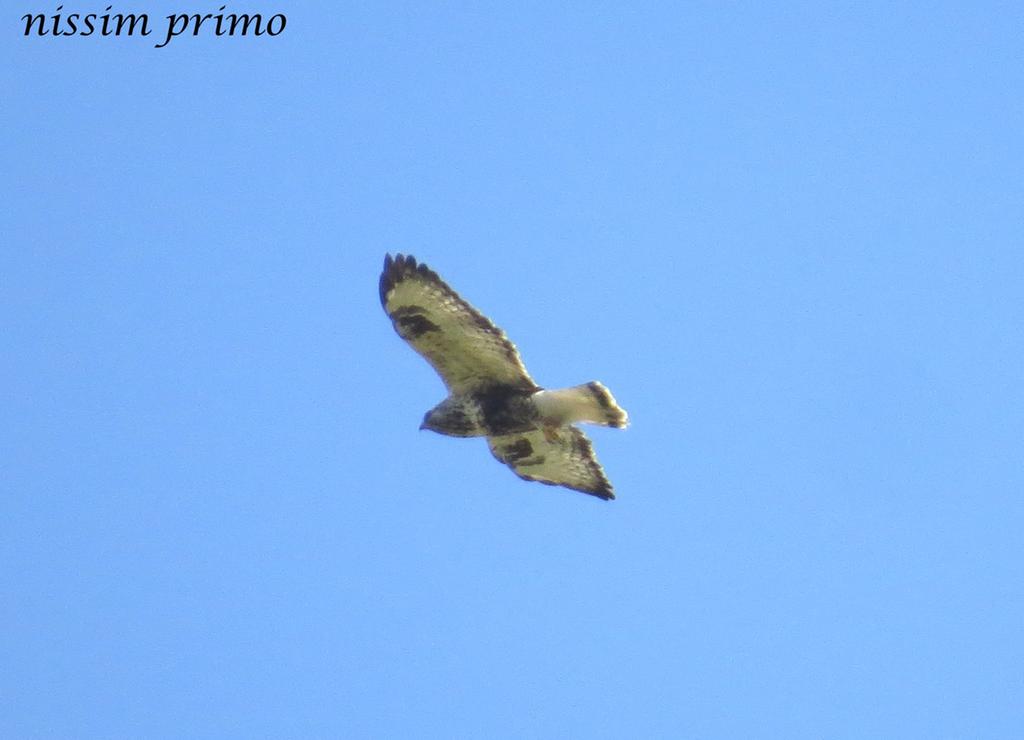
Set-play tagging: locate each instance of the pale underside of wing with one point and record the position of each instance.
(463, 346)
(563, 457)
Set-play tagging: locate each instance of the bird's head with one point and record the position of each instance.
(429, 421)
(448, 417)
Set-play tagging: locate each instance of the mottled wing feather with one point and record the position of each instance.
(462, 345)
(566, 459)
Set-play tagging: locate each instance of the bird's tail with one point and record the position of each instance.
(590, 402)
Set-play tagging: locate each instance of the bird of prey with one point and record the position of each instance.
(491, 395)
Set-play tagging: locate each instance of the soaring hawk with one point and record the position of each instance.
(491, 395)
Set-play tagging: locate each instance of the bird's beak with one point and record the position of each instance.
(423, 426)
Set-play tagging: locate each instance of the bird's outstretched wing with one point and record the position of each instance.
(462, 345)
(563, 457)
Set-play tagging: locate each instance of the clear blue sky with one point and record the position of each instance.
(789, 239)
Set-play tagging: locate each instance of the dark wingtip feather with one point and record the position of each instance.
(603, 489)
(395, 268)
(398, 268)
